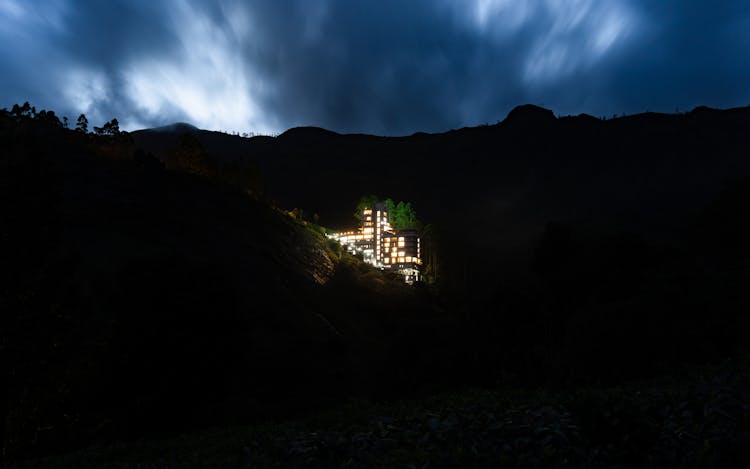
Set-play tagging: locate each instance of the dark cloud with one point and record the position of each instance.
(389, 67)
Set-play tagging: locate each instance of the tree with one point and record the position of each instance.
(109, 128)
(366, 201)
(65, 122)
(48, 116)
(113, 127)
(24, 110)
(401, 215)
(82, 124)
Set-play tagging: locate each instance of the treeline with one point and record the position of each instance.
(401, 215)
(188, 155)
(27, 111)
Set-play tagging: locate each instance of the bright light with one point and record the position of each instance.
(366, 238)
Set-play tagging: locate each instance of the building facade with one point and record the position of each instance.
(382, 246)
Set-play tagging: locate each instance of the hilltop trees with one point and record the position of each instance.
(82, 124)
(50, 117)
(24, 110)
(109, 128)
(401, 214)
(27, 111)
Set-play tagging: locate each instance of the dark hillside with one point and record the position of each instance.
(527, 170)
(152, 295)
(648, 174)
(145, 301)
(561, 241)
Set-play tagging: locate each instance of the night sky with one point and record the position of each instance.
(385, 67)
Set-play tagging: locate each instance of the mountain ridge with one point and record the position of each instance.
(528, 113)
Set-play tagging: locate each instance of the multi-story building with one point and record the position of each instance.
(383, 246)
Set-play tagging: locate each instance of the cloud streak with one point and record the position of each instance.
(387, 67)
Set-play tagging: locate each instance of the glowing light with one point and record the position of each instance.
(375, 245)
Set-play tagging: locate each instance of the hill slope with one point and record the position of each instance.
(144, 300)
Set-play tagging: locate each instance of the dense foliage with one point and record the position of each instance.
(401, 214)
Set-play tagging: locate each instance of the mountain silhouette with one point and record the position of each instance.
(531, 167)
(177, 127)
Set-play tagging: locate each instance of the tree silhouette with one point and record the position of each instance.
(25, 110)
(82, 124)
(49, 116)
(112, 127)
(109, 128)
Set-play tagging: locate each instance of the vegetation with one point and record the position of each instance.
(82, 124)
(401, 214)
(109, 128)
(588, 277)
(366, 201)
(157, 300)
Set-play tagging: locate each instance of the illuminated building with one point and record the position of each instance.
(383, 246)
